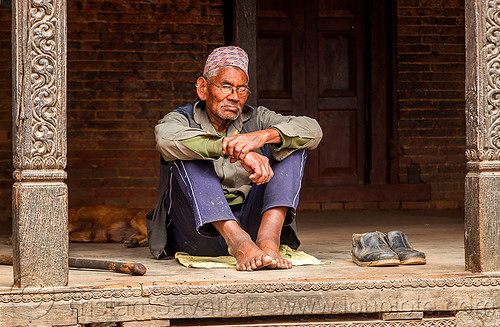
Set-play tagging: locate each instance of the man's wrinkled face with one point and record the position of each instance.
(225, 106)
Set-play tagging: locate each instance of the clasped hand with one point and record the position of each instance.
(241, 148)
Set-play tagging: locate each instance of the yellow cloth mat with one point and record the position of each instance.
(297, 258)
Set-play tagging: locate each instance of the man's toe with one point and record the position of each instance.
(268, 261)
(258, 263)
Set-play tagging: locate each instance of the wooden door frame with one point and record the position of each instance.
(240, 25)
(383, 68)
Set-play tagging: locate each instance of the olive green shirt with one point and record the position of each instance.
(211, 147)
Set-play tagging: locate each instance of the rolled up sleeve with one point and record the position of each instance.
(171, 130)
(294, 130)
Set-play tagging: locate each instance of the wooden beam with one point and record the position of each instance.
(158, 302)
(40, 197)
(245, 36)
(482, 183)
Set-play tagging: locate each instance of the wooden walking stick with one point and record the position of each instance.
(134, 268)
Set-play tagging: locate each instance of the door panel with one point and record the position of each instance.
(274, 78)
(280, 56)
(337, 69)
(274, 9)
(336, 8)
(336, 156)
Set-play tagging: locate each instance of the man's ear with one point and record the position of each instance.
(201, 88)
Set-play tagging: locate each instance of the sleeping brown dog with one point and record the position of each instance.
(104, 223)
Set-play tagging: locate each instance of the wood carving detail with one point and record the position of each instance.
(449, 322)
(482, 155)
(475, 130)
(82, 294)
(44, 110)
(483, 121)
(493, 69)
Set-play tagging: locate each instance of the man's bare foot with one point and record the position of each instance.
(250, 257)
(271, 248)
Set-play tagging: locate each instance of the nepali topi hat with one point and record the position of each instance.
(227, 56)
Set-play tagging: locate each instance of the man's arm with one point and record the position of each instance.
(297, 132)
(173, 131)
(284, 134)
(238, 146)
(258, 167)
(208, 146)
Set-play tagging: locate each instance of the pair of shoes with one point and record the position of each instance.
(371, 249)
(376, 249)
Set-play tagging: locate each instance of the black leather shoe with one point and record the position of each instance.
(407, 255)
(371, 249)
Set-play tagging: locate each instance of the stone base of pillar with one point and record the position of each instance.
(482, 221)
(40, 257)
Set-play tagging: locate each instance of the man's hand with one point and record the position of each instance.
(258, 167)
(239, 146)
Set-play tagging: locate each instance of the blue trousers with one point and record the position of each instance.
(195, 200)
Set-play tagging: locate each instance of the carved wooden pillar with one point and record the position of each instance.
(40, 197)
(482, 183)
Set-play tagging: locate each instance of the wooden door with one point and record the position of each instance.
(312, 60)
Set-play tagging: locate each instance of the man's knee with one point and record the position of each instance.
(194, 172)
(293, 165)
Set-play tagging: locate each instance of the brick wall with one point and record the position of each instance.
(129, 63)
(430, 98)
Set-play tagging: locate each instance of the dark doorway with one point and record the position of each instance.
(331, 60)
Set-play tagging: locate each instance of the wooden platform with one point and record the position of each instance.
(331, 294)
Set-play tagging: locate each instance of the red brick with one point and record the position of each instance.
(305, 206)
(361, 205)
(333, 206)
(415, 205)
(445, 204)
(389, 205)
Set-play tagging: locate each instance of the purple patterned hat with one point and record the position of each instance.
(227, 56)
